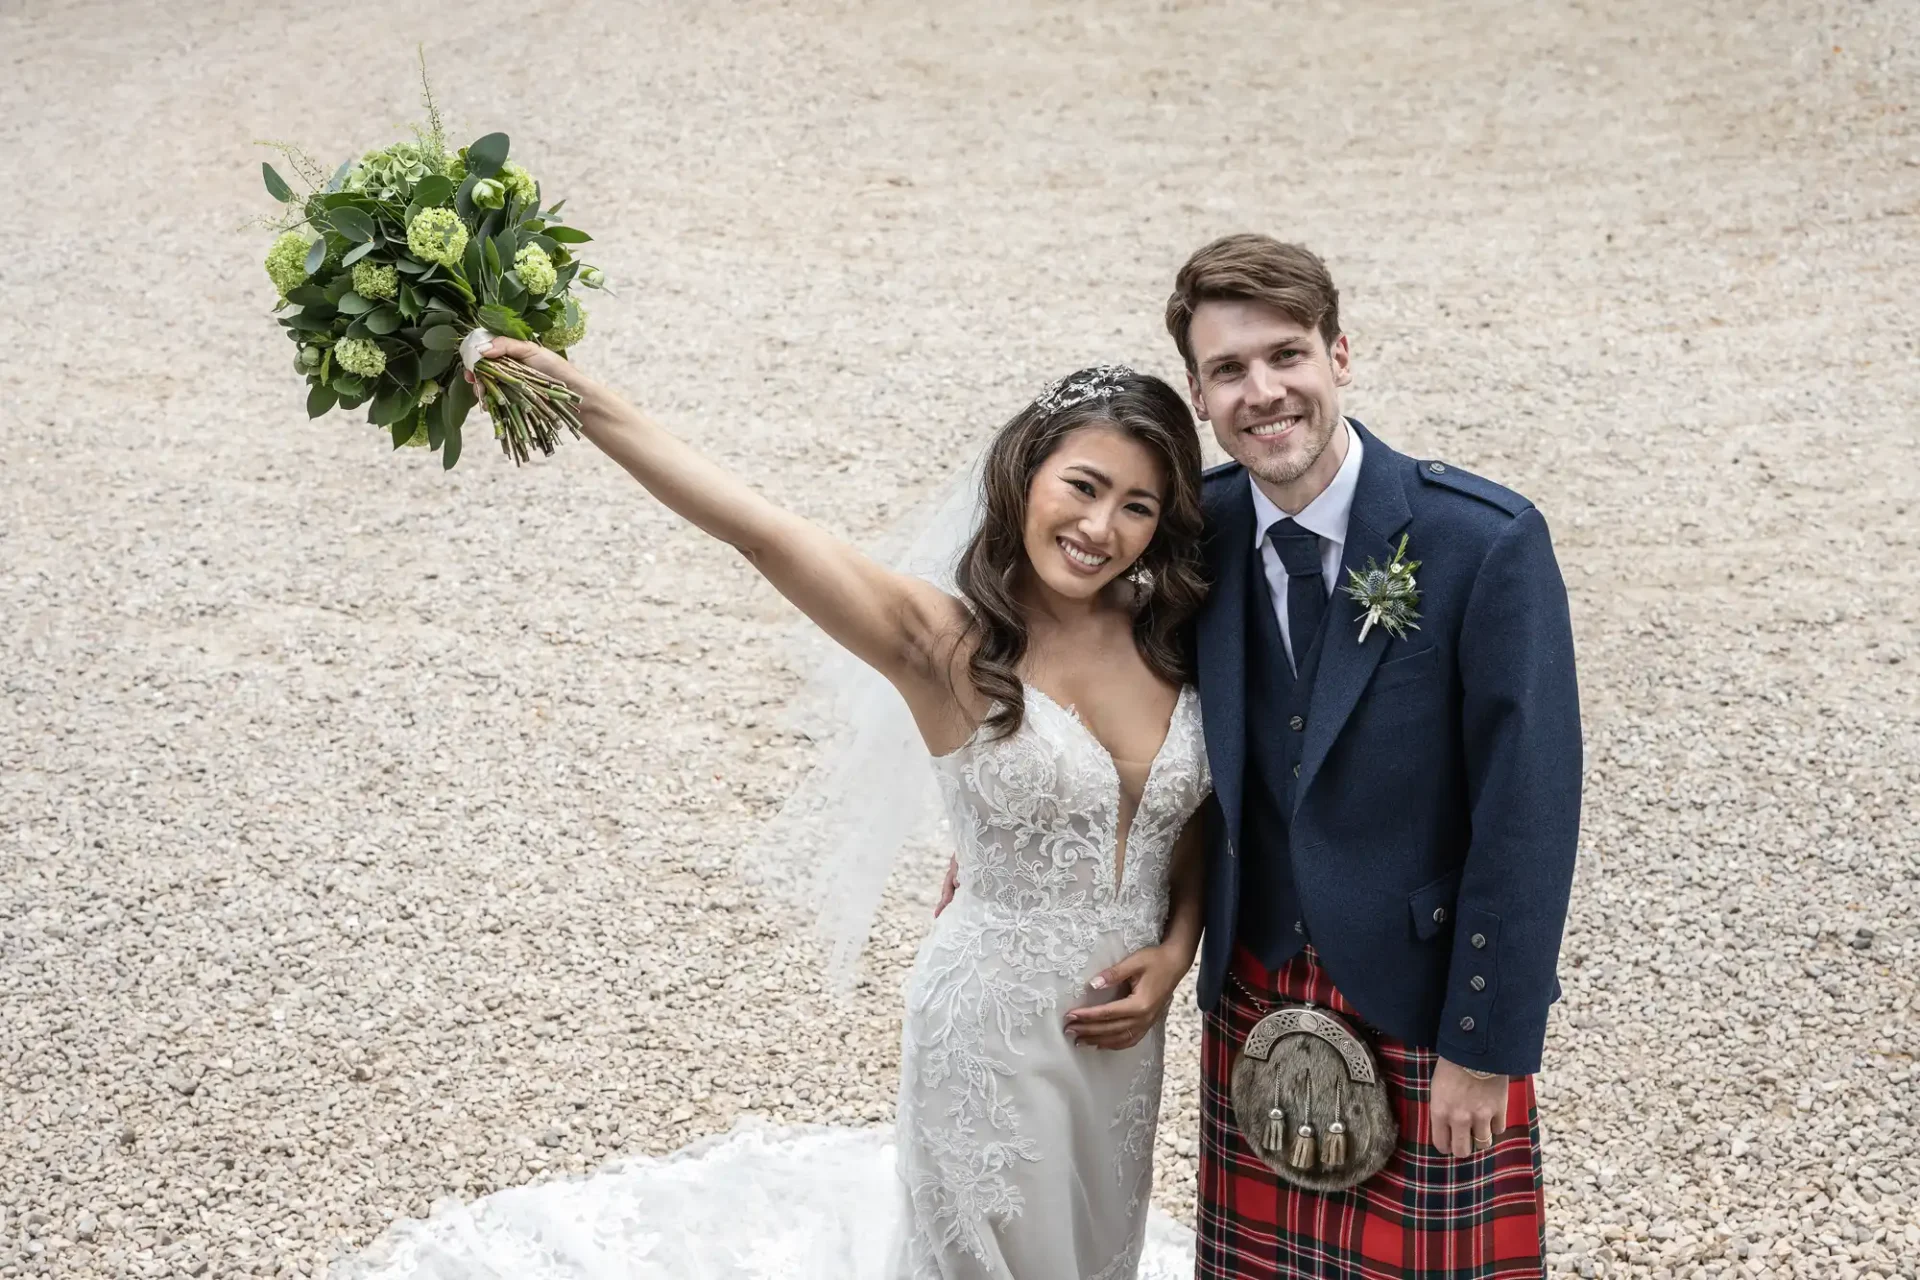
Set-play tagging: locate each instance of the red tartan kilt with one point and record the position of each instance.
(1424, 1215)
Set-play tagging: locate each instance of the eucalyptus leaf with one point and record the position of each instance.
(308, 323)
(555, 211)
(383, 321)
(487, 155)
(409, 303)
(456, 402)
(391, 407)
(436, 428)
(412, 267)
(548, 245)
(434, 190)
(349, 385)
(338, 287)
(355, 224)
(339, 175)
(350, 403)
(308, 295)
(358, 329)
(276, 185)
(401, 432)
(450, 445)
(441, 338)
(512, 292)
(568, 235)
(435, 362)
(356, 253)
(463, 198)
(321, 399)
(493, 257)
(316, 256)
(352, 304)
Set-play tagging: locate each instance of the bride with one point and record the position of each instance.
(1052, 694)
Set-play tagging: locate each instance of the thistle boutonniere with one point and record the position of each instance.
(1386, 596)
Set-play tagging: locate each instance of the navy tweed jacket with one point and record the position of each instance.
(1438, 805)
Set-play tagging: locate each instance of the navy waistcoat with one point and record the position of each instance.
(1270, 922)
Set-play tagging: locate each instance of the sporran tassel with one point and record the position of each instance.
(1305, 1153)
(1276, 1129)
(1333, 1152)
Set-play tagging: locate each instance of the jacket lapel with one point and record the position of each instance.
(1221, 642)
(1379, 513)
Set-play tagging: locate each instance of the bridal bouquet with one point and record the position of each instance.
(412, 257)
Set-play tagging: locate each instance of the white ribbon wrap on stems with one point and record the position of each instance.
(472, 345)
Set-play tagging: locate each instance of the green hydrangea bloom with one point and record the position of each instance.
(535, 269)
(360, 355)
(437, 235)
(287, 262)
(563, 334)
(518, 181)
(371, 280)
(391, 172)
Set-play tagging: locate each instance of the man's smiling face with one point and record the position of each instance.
(1270, 386)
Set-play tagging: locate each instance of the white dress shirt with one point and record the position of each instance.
(1326, 516)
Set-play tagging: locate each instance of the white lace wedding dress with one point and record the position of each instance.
(1016, 1155)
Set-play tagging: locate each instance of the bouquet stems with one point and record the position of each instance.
(529, 409)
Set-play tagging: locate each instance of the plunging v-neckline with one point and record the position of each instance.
(1113, 767)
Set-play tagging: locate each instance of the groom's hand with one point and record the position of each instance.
(1148, 977)
(1466, 1113)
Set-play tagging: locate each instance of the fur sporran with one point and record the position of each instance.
(1311, 1101)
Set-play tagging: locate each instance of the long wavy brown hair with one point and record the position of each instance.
(1170, 583)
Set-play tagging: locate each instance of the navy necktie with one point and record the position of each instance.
(1306, 587)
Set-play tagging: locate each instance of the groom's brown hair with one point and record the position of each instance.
(1247, 267)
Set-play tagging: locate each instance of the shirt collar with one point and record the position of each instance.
(1327, 514)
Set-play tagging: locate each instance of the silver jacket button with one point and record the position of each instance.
(1466, 1024)
(1478, 983)
(1439, 915)
(1479, 941)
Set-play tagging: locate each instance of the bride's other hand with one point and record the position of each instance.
(1150, 975)
(948, 887)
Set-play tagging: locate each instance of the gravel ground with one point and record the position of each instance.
(366, 831)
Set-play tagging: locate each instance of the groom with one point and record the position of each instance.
(1397, 807)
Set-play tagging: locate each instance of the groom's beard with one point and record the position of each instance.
(1300, 451)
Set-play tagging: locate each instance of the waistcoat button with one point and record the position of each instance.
(1479, 941)
(1466, 1024)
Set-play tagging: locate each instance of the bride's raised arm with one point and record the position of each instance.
(902, 626)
